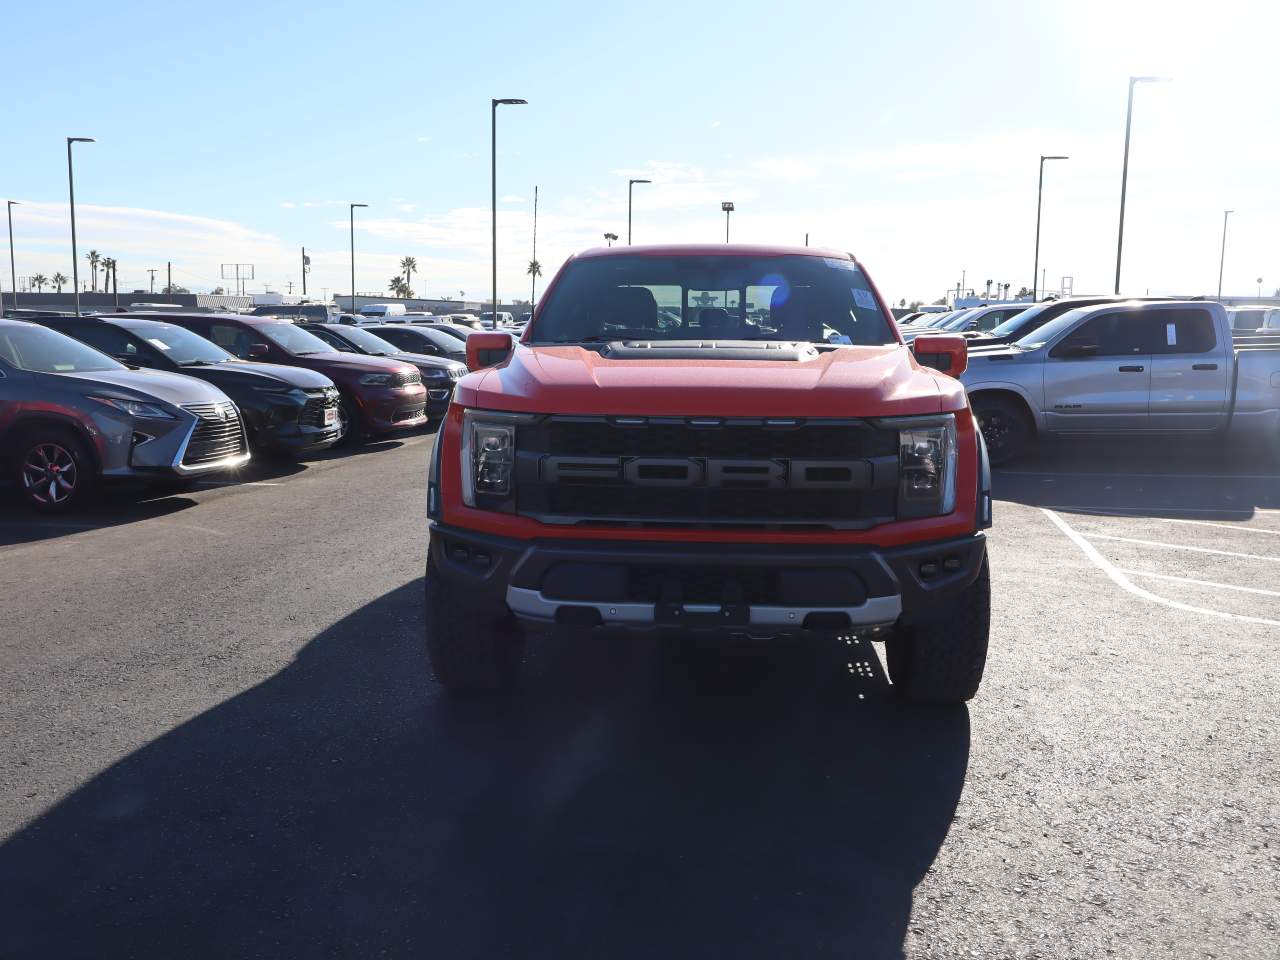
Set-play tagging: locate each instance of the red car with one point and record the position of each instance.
(731, 439)
(378, 395)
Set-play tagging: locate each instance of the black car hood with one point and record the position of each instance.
(245, 374)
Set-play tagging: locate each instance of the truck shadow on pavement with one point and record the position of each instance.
(763, 802)
(1173, 477)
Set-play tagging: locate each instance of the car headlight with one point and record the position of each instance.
(927, 467)
(136, 408)
(488, 457)
(376, 379)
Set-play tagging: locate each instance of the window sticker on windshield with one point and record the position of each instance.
(1171, 334)
(864, 299)
(158, 344)
(840, 264)
(839, 338)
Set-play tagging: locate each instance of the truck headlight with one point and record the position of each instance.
(927, 467)
(488, 457)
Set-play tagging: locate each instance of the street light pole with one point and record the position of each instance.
(1222, 260)
(727, 207)
(630, 184)
(493, 173)
(71, 186)
(1035, 272)
(1124, 174)
(351, 210)
(13, 271)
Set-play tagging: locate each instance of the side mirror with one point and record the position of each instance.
(942, 352)
(488, 349)
(258, 350)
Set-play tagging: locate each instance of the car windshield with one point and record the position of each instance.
(1026, 320)
(788, 298)
(455, 332)
(293, 339)
(42, 350)
(181, 345)
(959, 320)
(1049, 331)
(368, 342)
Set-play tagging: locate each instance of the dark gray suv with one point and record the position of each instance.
(71, 417)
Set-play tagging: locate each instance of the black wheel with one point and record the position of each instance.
(942, 661)
(349, 422)
(472, 650)
(1005, 426)
(55, 471)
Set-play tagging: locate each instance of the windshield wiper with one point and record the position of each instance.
(305, 353)
(197, 363)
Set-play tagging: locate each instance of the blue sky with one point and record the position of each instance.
(906, 133)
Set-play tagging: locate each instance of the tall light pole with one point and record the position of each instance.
(352, 212)
(1222, 260)
(1035, 273)
(630, 184)
(1124, 174)
(13, 272)
(71, 186)
(493, 170)
(727, 207)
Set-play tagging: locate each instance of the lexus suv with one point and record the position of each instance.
(70, 417)
(376, 394)
(724, 439)
(286, 410)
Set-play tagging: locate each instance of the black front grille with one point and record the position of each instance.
(553, 486)
(318, 401)
(217, 435)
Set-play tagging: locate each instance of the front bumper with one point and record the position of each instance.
(764, 589)
(393, 408)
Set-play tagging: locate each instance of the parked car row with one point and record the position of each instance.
(171, 397)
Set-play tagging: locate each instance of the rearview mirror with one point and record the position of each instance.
(942, 352)
(488, 349)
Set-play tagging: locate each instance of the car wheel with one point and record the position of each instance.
(1004, 427)
(352, 430)
(942, 661)
(55, 470)
(473, 651)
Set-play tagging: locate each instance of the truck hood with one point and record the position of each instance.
(846, 382)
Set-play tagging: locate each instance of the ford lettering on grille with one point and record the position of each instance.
(772, 474)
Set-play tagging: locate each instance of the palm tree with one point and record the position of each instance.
(394, 285)
(58, 279)
(408, 265)
(94, 260)
(108, 272)
(534, 271)
(38, 281)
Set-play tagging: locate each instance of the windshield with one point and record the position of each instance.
(454, 332)
(1026, 320)
(787, 298)
(1043, 334)
(293, 339)
(368, 342)
(181, 345)
(42, 350)
(959, 320)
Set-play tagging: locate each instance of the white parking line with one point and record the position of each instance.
(1183, 546)
(1106, 566)
(1144, 511)
(1199, 523)
(1202, 583)
(1139, 476)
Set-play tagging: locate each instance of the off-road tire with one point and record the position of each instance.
(53, 438)
(1005, 426)
(941, 661)
(473, 651)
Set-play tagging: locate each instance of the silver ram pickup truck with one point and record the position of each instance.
(1137, 367)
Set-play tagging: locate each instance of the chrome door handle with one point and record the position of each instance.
(1132, 369)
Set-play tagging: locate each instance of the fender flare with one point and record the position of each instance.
(1006, 386)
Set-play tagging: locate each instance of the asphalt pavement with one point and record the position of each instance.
(219, 738)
